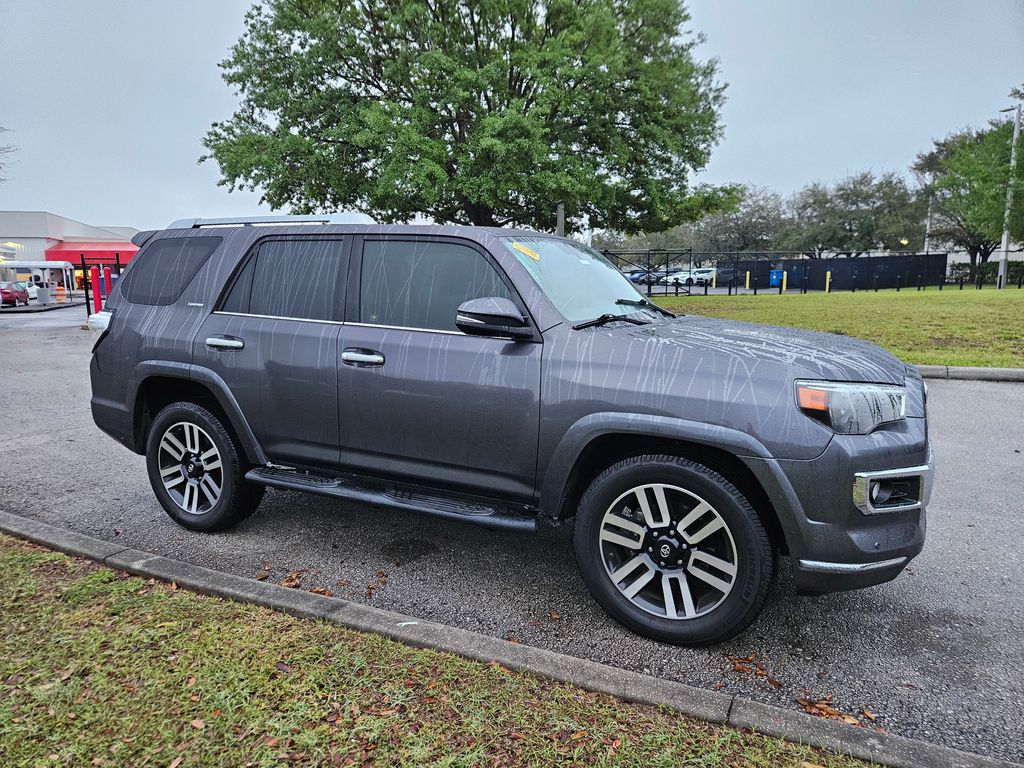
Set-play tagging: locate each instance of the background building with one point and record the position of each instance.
(37, 236)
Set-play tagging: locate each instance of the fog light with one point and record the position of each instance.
(881, 490)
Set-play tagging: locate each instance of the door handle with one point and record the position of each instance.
(224, 342)
(362, 357)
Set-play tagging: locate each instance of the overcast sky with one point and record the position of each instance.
(107, 100)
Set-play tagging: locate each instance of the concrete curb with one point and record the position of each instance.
(964, 373)
(887, 749)
(32, 310)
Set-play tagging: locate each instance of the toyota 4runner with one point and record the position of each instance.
(503, 377)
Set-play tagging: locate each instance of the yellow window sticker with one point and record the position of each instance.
(528, 251)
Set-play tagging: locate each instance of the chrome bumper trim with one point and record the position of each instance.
(823, 567)
(862, 484)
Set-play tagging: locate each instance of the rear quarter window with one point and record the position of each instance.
(165, 268)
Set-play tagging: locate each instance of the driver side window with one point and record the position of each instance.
(411, 284)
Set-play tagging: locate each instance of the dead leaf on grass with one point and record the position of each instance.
(198, 724)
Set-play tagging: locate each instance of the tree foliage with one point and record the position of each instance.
(967, 173)
(861, 213)
(858, 214)
(751, 224)
(473, 112)
(755, 224)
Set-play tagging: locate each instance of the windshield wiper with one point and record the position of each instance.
(609, 318)
(644, 303)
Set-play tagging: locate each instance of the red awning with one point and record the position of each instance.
(95, 253)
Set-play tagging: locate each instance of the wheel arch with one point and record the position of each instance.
(575, 464)
(158, 385)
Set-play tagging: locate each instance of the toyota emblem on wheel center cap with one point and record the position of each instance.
(665, 550)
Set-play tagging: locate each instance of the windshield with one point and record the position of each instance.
(579, 281)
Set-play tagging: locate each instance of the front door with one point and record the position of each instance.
(419, 399)
(273, 339)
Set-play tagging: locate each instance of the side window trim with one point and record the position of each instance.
(252, 254)
(236, 275)
(354, 298)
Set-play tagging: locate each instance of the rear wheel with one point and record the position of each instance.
(197, 471)
(673, 550)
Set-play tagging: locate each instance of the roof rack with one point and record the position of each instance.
(330, 218)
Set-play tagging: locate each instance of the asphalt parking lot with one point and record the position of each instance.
(937, 654)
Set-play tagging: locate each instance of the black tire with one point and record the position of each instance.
(689, 281)
(237, 499)
(755, 559)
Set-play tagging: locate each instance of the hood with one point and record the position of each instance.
(826, 356)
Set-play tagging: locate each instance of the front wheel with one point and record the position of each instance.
(673, 550)
(197, 471)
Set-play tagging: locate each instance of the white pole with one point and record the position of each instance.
(560, 220)
(1005, 245)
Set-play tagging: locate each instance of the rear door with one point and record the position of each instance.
(420, 399)
(273, 339)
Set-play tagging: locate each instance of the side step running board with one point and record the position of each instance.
(486, 513)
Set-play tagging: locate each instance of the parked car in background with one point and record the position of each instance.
(685, 277)
(30, 288)
(647, 277)
(13, 294)
(704, 275)
(504, 377)
(723, 275)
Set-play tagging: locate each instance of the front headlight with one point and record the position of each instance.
(851, 409)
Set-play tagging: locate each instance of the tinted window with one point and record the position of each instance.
(237, 299)
(420, 284)
(165, 268)
(294, 278)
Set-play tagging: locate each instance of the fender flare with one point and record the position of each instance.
(746, 448)
(148, 369)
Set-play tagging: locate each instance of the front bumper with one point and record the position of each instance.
(837, 536)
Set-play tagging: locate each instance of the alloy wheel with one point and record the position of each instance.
(191, 469)
(668, 551)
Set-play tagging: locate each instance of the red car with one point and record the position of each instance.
(13, 294)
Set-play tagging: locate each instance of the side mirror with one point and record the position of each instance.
(492, 316)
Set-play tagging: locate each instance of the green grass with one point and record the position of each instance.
(949, 327)
(98, 668)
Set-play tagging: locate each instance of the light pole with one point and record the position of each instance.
(1005, 246)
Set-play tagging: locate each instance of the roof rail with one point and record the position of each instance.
(327, 218)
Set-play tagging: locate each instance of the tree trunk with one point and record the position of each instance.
(480, 215)
(973, 274)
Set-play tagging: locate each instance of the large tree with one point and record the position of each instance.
(858, 214)
(473, 112)
(753, 224)
(967, 174)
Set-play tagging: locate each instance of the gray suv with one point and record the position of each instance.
(503, 377)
